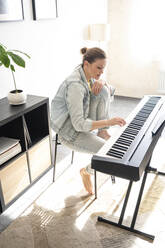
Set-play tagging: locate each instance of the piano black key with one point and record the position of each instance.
(145, 111)
(114, 155)
(154, 99)
(123, 141)
(130, 137)
(142, 114)
(138, 118)
(151, 104)
(137, 122)
(120, 147)
(131, 131)
(116, 152)
(113, 152)
(134, 126)
(149, 108)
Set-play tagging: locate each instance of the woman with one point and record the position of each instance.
(82, 105)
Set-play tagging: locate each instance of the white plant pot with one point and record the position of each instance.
(16, 97)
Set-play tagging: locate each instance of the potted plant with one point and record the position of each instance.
(7, 59)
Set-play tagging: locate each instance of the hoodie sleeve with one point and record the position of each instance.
(74, 98)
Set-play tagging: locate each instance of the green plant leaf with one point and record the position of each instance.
(3, 46)
(17, 59)
(12, 67)
(20, 52)
(5, 60)
(4, 57)
(2, 50)
(1, 64)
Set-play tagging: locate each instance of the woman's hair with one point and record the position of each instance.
(92, 54)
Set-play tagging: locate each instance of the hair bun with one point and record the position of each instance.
(83, 50)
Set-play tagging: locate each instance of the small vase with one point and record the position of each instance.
(16, 97)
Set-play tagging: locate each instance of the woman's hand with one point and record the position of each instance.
(97, 87)
(116, 121)
(106, 123)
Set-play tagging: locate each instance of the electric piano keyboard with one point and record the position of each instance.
(126, 154)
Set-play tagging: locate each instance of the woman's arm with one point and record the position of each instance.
(74, 97)
(107, 123)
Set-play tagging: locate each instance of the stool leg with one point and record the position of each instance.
(55, 157)
(95, 183)
(72, 157)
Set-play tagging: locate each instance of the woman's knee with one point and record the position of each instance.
(105, 93)
(103, 96)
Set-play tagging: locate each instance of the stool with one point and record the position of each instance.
(55, 155)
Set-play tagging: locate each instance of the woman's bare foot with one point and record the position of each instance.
(103, 134)
(86, 178)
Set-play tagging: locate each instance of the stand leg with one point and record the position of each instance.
(125, 203)
(123, 208)
(139, 200)
(155, 171)
(131, 228)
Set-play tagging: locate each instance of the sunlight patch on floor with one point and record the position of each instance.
(67, 185)
(82, 219)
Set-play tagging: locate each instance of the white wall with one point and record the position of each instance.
(53, 45)
(136, 48)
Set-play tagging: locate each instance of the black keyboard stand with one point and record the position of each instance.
(119, 224)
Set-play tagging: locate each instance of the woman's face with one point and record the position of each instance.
(95, 69)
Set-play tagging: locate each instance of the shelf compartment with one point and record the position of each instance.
(14, 129)
(39, 164)
(37, 124)
(14, 178)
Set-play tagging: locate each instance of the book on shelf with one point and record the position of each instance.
(9, 147)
